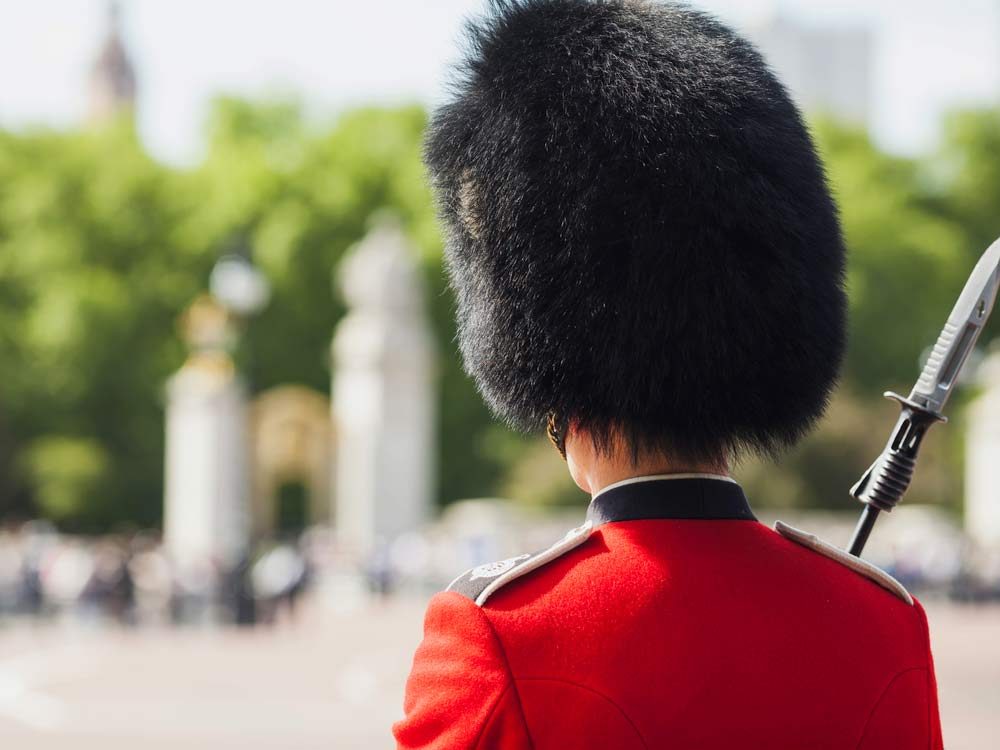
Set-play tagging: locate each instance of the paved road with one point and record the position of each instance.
(329, 682)
(966, 644)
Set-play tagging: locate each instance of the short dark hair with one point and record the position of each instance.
(639, 230)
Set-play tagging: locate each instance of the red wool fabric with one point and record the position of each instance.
(676, 634)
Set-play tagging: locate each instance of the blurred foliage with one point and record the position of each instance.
(92, 277)
(819, 472)
(907, 262)
(969, 173)
(912, 246)
(102, 248)
(67, 473)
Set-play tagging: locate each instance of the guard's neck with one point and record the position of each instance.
(599, 480)
(593, 471)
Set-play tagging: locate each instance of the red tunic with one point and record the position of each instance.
(673, 620)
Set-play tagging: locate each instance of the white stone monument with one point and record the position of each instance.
(383, 394)
(206, 518)
(982, 458)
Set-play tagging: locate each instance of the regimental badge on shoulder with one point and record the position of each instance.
(480, 582)
(863, 567)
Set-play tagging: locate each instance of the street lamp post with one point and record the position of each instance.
(239, 285)
(241, 288)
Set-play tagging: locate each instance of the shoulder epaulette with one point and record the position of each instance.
(856, 564)
(481, 582)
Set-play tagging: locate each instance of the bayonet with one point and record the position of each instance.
(882, 486)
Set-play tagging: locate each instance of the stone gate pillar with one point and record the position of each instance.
(206, 518)
(982, 459)
(383, 394)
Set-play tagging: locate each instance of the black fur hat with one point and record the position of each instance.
(640, 233)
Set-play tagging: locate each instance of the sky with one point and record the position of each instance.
(930, 55)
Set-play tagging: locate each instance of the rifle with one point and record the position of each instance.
(882, 486)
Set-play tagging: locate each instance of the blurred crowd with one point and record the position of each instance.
(963, 573)
(130, 580)
(923, 548)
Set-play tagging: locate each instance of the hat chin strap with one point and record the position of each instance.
(555, 428)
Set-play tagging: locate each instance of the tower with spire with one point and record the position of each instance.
(112, 77)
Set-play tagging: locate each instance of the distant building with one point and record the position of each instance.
(828, 70)
(112, 77)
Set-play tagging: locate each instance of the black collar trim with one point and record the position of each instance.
(701, 499)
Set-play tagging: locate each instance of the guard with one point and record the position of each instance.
(648, 263)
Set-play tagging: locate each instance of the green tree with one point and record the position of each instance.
(91, 287)
(102, 248)
(908, 259)
(968, 171)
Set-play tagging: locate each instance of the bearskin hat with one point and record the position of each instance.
(639, 230)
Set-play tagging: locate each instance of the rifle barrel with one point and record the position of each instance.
(862, 531)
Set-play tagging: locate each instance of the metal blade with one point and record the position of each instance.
(960, 333)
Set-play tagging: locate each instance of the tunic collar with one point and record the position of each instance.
(677, 496)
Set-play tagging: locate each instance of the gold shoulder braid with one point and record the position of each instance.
(555, 428)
